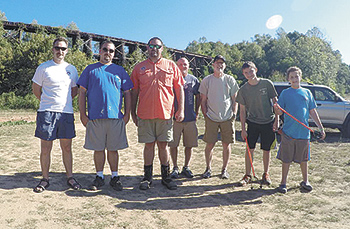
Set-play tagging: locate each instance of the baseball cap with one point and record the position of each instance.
(219, 57)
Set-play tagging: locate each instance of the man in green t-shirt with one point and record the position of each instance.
(256, 98)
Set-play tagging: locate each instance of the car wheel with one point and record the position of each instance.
(345, 131)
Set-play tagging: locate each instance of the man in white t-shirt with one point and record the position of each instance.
(54, 84)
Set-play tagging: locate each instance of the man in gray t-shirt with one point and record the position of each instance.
(219, 107)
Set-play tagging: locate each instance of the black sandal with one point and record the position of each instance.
(75, 185)
(40, 187)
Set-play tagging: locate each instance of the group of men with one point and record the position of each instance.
(163, 101)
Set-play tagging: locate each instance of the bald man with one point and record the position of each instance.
(187, 128)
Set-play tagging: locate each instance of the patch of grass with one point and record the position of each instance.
(15, 123)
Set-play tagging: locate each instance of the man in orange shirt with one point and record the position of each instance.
(155, 81)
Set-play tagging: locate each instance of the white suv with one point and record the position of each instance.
(332, 108)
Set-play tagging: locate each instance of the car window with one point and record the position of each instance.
(324, 94)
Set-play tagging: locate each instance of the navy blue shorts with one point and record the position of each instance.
(54, 125)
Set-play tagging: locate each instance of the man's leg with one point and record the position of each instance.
(66, 147)
(99, 159)
(304, 171)
(226, 152)
(248, 167)
(266, 161)
(285, 170)
(45, 159)
(173, 153)
(188, 153)
(209, 154)
(148, 153)
(148, 157)
(163, 154)
(113, 160)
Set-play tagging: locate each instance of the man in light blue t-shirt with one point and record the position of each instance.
(105, 84)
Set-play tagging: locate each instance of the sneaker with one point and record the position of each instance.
(224, 174)
(266, 179)
(145, 184)
(116, 184)
(245, 180)
(175, 173)
(98, 182)
(207, 173)
(187, 172)
(282, 188)
(306, 185)
(169, 183)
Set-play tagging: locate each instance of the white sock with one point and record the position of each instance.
(100, 174)
(114, 174)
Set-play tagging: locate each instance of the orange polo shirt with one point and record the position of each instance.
(156, 83)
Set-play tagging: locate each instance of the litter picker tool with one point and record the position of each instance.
(251, 163)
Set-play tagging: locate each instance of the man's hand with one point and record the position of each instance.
(244, 134)
(84, 119)
(179, 116)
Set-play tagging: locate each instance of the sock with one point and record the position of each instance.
(100, 174)
(114, 174)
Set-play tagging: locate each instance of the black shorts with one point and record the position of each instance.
(265, 131)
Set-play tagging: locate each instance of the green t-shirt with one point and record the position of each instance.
(257, 100)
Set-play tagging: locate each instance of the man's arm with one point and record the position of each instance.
(134, 99)
(316, 118)
(180, 95)
(204, 104)
(74, 91)
(82, 106)
(276, 122)
(234, 104)
(127, 106)
(197, 104)
(37, 90)
(243, 118)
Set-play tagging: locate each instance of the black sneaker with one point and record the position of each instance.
(282, 189)
(116, 184)
(187, 172)
(98, 182)
(207, 173)
(169, 183)
(306, 185)
(145, 184)
(175, 173)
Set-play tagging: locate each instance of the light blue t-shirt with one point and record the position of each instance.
(298, 103)
(105, 85)
(191, 87)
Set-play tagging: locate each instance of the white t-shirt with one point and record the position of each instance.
(56, 81)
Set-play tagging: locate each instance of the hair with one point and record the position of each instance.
(183, 57)
(106, 42)
(248, 64)
(58, 39)
(155, 38)
(293, 69)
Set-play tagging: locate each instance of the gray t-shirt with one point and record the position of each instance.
(219, 92)
(257, 100)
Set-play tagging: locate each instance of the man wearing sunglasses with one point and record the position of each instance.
(54, 84)
(105, 84)
(155, 81)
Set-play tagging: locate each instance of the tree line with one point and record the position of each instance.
(19, 58)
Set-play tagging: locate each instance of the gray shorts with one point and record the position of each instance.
(104, 134)
(151, 130)
(297, 150)
(189, 131)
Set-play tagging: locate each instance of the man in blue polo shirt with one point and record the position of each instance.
(105, 84)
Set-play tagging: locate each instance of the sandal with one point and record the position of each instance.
(40, 187)
(75, 185)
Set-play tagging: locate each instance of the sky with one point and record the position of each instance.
(180, 22)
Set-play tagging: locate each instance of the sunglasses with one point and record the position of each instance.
(108, 50)
(60, 48)
(154, 46)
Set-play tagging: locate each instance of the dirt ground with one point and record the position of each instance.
(197, 203)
